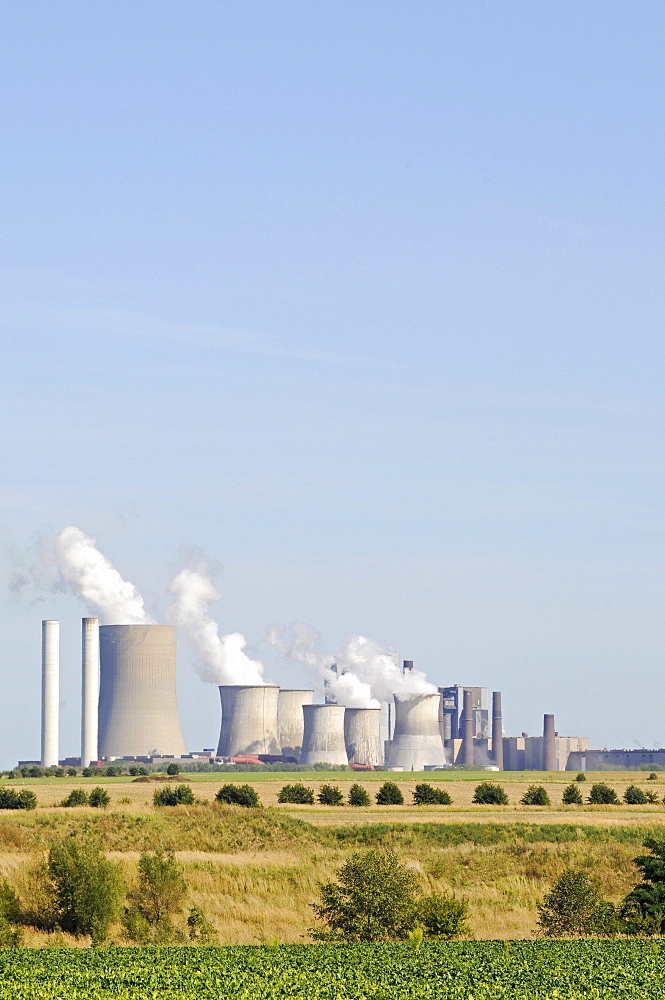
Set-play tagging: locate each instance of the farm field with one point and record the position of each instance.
(542, 970)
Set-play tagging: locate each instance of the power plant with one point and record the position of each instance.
(249, 720)
(362, 735)
(323, 735)
(416, 741)
(290, 720)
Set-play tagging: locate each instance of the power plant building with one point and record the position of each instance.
(451, 713)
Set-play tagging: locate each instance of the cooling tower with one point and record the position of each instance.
(138, 710)
(417, 738)
(362, 735)
(50, 691)
(549, 744)
(290, 720)
(89, 689)
(497, 730)
(467, 729)
(249, 719)
(323, 736)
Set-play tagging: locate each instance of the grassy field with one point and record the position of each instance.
(256, 872)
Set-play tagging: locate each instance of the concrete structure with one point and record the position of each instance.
(452, 712)
(497, 730)
(323, 736)
(249, 720)
(467, 730)
(583, 759)
(417, 739)
(563, 747)
(89, 690)
(362, 735)
(50, 692)
(513, 753)
(138, 710)
(290, 719)
(548, 761)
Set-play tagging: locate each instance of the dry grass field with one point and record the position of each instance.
(255, 872)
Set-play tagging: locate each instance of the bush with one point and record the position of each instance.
(574, 905)
(374, 900)
(652, 797)
(173, 769)
(86, 888)
(77, 797)
(161, 890)
(358, 796)
(572, 796)
(238, 795)
(652, 776)
(442, 917)
(634, 796)
(426, 795)
(174, 795)
(199, 928)
(581, 776)
(330, 795)
(488, 794)
(99, 798)
(299, 794)
(11, 799)
(535, 795)
(389, 795)
(643, 909)
(602, 795)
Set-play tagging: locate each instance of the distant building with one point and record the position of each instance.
(608, 760)
(451, 711)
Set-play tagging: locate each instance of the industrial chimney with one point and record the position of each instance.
(497, 730)
(138, 710)
(417, 738)
(467, 729)
(50, 692)
(89, 690)
(290, 720)
(549, 744)
(249, 720)
(362, 735)
(323, 735)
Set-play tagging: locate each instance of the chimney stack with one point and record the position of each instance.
(50, 692)
(89, 690)
(497, 730)
(467, 729)
(549, 744)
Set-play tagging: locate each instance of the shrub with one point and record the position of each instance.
(572, 796)
(10, 912)
(86, 887)
(358, 796)
(199, 928)
(77, 797)
(99, 798)
(426, 795)
(574, 905)
(374, 900)
(71, 772)
(602, 795)
(161, 890)
(330, 795)
(297, 793)
(173, 769)
(174, 795)
(11, 799)
(389, 795)
(634, 796)
(643, 909)
(581, 776)
(238, 795)
(535, 795)
(442, 917)
(652, 797)
(488, 794)
(652, 776)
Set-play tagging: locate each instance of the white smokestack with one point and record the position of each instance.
(222, 658)
(90, 690)
(50, 691)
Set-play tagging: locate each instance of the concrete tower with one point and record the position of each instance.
(362, 735)
(89, 690)
(138, 710)
(249, 720)
(497, 730)
(417, 738)
(290, 719)
(549, 744)
(467, 730)
(50, 691)
(323, 735)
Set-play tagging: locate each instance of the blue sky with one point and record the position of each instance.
(366, 300)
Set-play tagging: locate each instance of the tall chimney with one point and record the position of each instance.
(467, 730)
(497, 730)
(89, 690)
(50, 692)
(549, 744)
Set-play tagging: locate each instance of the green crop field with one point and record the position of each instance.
(536, 970)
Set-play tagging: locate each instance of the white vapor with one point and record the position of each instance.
(222, 659)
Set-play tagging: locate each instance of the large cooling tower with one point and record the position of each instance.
(323, 736)
(89, 690)
(362, 735)
(290, 719)
(50, 691)
(138, 711)
(417, 739)
(249, 720)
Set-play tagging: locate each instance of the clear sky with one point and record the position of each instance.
(367, 301)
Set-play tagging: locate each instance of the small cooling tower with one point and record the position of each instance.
(323, 736)
(89, 690)
(417, 739)
(249, 720)
(138, 710)
(549, 744)
(362, 735)
(290, 720)
(50, 692)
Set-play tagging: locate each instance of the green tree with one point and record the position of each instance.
(358, 796)
(634, 796)
(581, 776)
(389, 795)
(77, 797)
(374, 900)
(535, 795)
(174, 795)
(173, 769)
(574, 906)
(426, 795)
(161, 889)
(199, 928)
(238, 795)
(602, 795)
(296, 793)
(99, 798)
(330, 795)
(86, 887)
(489, 794)
(442, 917)
(11, 799)
(10, 915)
(643, 909)
(572, 796)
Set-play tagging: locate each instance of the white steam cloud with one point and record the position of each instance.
(222, 659)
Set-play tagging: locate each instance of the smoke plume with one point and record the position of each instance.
(222, 659)
(377, 667)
